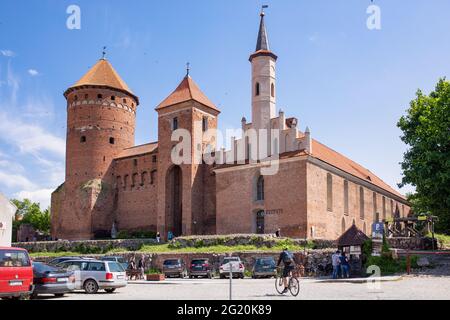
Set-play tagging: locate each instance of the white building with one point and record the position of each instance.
(7, 211)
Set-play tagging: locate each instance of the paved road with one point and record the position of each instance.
(248, 289)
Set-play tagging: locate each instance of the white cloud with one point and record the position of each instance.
(13, 180)
(11, 166)
(7, 53)
(42, 196)
(33, 72)
(29, 138)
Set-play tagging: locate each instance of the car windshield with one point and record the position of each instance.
(115, 267)
(262, 262)
(14, 258)
(231, 259)
(40, 267)
(199, 261)
(171, 262)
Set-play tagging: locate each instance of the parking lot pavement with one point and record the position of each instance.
(420, 288)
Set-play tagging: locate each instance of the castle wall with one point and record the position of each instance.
(284, 200)
(136, 185)
(330, 224)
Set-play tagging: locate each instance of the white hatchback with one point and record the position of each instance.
(94, 275)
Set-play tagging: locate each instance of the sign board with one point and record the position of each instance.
(422, 218)
(377, 230)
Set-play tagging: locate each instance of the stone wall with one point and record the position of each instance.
(315, 261)
(88, 245)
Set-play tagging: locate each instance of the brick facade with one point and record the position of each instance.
(316, 192)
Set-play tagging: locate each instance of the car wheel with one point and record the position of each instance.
(222, 276)
(59, 295)
(191, 277)
(90, 286)
(241, 276)
(110, 290)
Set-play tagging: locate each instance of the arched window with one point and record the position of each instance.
(272, 90)
(257, 89)
(375, 207)
(205, 124)
(346, 197)
(133, 179)
(384, 207)
(144, 178)
(125, 182)
(260, 189)
(118, 182)
(111, 140)
(153, 177)
(329, 192)
(361, 202)
(83, 139)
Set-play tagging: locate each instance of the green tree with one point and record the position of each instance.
(30, 212)
(426, 164)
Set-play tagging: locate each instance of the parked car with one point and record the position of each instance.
(264, 267)
(16, 273)
(58, 260)
(200, 268)
(236, 265)
(94, 275)
(175, 267)
(118, 259)
(51, 280)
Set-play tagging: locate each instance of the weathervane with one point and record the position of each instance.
(265, 6)
(103, 53)
(188, 68)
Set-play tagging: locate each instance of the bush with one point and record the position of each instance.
(153, 271)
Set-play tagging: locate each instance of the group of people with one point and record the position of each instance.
(139, 267)
(341, 266)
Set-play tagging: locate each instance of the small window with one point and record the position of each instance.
(113, 98)
(174, 123)
(272, 90)
(153, 177)
(100, 96)
(111, 140)
(135, 162)
(83, 139)
(124, 100)
(260, 189)
(257, 89)
(329, 192)
(346, 197)
(154, 159)
(205, 124)
(75, 98)
(361, 202)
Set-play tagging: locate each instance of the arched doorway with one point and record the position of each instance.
(174, 196)
(260, 222)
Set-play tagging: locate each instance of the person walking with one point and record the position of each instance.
(169, 235)
(278, 233)
(158, 237)
(335, 260)
(141, 266)
(345, 266)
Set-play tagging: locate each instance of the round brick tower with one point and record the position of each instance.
(101, 112)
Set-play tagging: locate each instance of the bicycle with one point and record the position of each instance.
(293, 284)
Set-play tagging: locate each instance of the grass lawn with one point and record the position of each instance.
(164, 248)
(444, 238)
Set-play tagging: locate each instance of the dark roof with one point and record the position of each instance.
(352, 237)
(262, 42)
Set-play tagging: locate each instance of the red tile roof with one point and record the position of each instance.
(138, 150)
(187, 90)
(103, 74)
(328, 155)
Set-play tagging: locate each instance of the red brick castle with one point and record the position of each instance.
(315, 193)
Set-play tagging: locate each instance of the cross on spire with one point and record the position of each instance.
(104, 53)
(188, 68)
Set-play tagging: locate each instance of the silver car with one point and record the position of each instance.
(94, 275)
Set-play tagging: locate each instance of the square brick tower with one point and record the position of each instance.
(185, 183)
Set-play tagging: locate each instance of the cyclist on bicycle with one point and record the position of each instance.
(288, 261)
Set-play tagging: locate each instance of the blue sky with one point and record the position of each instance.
(347, 83)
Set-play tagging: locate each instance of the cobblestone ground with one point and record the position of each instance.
(410, 287)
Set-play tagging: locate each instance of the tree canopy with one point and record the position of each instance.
(30, 212)
(426, 164)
